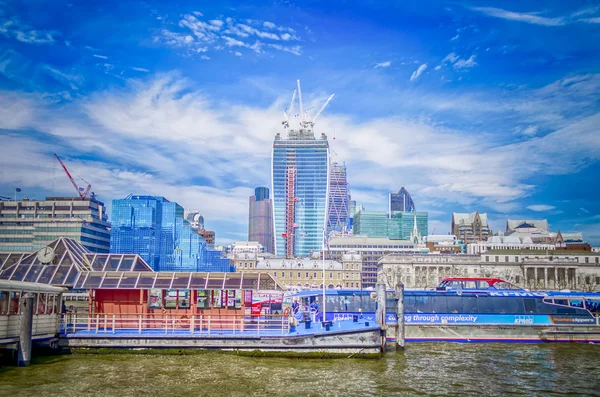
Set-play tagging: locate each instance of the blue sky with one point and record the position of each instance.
(475, 105)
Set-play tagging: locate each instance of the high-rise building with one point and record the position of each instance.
(155, 228)
(28, 225)
(195, 219)
(470, 228)
(337, 214)
(399, 227)
(260, 220)
(300, 169)
(400, 201)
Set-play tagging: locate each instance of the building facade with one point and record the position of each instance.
(305, 272)
(300, 170)
(400, 201)
(337, 214)
(470, 228)
(260, 219)
(371, 250)
(28, 225)
(532, 269)
(400, 226)
(154, 228)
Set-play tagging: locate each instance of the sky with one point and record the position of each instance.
(471, 105)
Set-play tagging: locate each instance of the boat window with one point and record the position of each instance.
(593, 306)
(14, 302)
(183, 299)
(171, 299)
(482, 284)
(530, 305)
(502, 285)
(485, 304)
(438, 304)
(469, 304)
(576, 303)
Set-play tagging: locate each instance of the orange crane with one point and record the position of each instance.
(80, 191)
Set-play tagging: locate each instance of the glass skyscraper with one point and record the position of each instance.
(155, 228)
(400, 201)
(260, 219)
(300, 169)
(337, 216)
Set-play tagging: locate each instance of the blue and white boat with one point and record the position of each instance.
(456, 314)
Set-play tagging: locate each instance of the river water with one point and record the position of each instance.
(423, 369)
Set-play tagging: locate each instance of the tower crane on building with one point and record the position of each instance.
(82, 192)
(306, 122)
(286, 122)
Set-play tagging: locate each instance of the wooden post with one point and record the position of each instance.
(380, 313)
(209, 325)
(400, 315)
(105, 322)
(192, 324)
(114, 323)
(25, 330)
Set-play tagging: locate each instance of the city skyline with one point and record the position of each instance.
(486, 106)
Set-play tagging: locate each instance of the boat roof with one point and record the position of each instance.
(490, 280)
(514, 293)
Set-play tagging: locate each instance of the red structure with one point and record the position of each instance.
(290, 211)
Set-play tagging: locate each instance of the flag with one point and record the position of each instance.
(18, 189)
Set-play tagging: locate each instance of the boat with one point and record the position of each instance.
(462, 310)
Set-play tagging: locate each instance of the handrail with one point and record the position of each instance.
(111, 323)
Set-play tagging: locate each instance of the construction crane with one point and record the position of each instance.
(80, 191)
(306, 121)
(285, 122)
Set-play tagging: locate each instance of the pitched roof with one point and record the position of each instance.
(512, 224)
(468, 219)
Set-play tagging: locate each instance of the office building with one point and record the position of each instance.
(28, 225)
(337, 213)
(399, 227)
(400, 201)
(154, 228)
(260, 220)
(470, 228)
(300, 169)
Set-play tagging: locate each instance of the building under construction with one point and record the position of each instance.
(300, 171)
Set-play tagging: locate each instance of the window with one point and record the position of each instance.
(274, 274)
(506, 259)
(171, 299)
(203, 302)
(218, 298)
(315, 275)
(517, 279)
(298, 274)
(307, 275)
(516, 258)
(155, 299)
(496, 258)
(587, 260)
(183, 299)
(487, 258)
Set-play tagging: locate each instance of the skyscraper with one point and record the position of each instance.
(400, 201)
(155, 228)
(260, 220)
(337, 214)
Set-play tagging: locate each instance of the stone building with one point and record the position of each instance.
(470, 228)
(536, 270)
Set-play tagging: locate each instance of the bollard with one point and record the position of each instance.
(25, 330)
(380, 313)
(400, 315)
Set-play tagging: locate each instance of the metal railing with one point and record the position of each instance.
(174, 324)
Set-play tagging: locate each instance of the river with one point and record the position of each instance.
(423, 369)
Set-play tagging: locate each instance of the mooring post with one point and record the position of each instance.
(400, 316)
(380, 314)
(25, 331)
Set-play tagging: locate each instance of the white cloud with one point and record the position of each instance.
(459, 63)
(140, 69)
(238, 54)
(455, 37)
(465, 63)
(591, 20)
(531, 130)
(418, 72)
(198, 13)
(25, 33)
(219, 33)
(385, 64)
(541, 207)
(100, 56)
(532, 18)
(438, 67)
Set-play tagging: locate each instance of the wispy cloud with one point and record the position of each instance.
(457, 62)
(100, 56)
(532, 17)
(13, 28)
(418, 72)
(541, 207)
(140, 69)
(385, 64)
(201, 36)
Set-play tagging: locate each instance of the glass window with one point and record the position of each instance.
(234, 299)
(530, 305)
(183, 299)
(438, 304)
(218, 298)
(3, 303)
(171, 299)
(41, 303)
(155, 299)
(202, 301)
(14, 302)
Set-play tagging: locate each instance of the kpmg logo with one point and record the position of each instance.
(518, 294)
